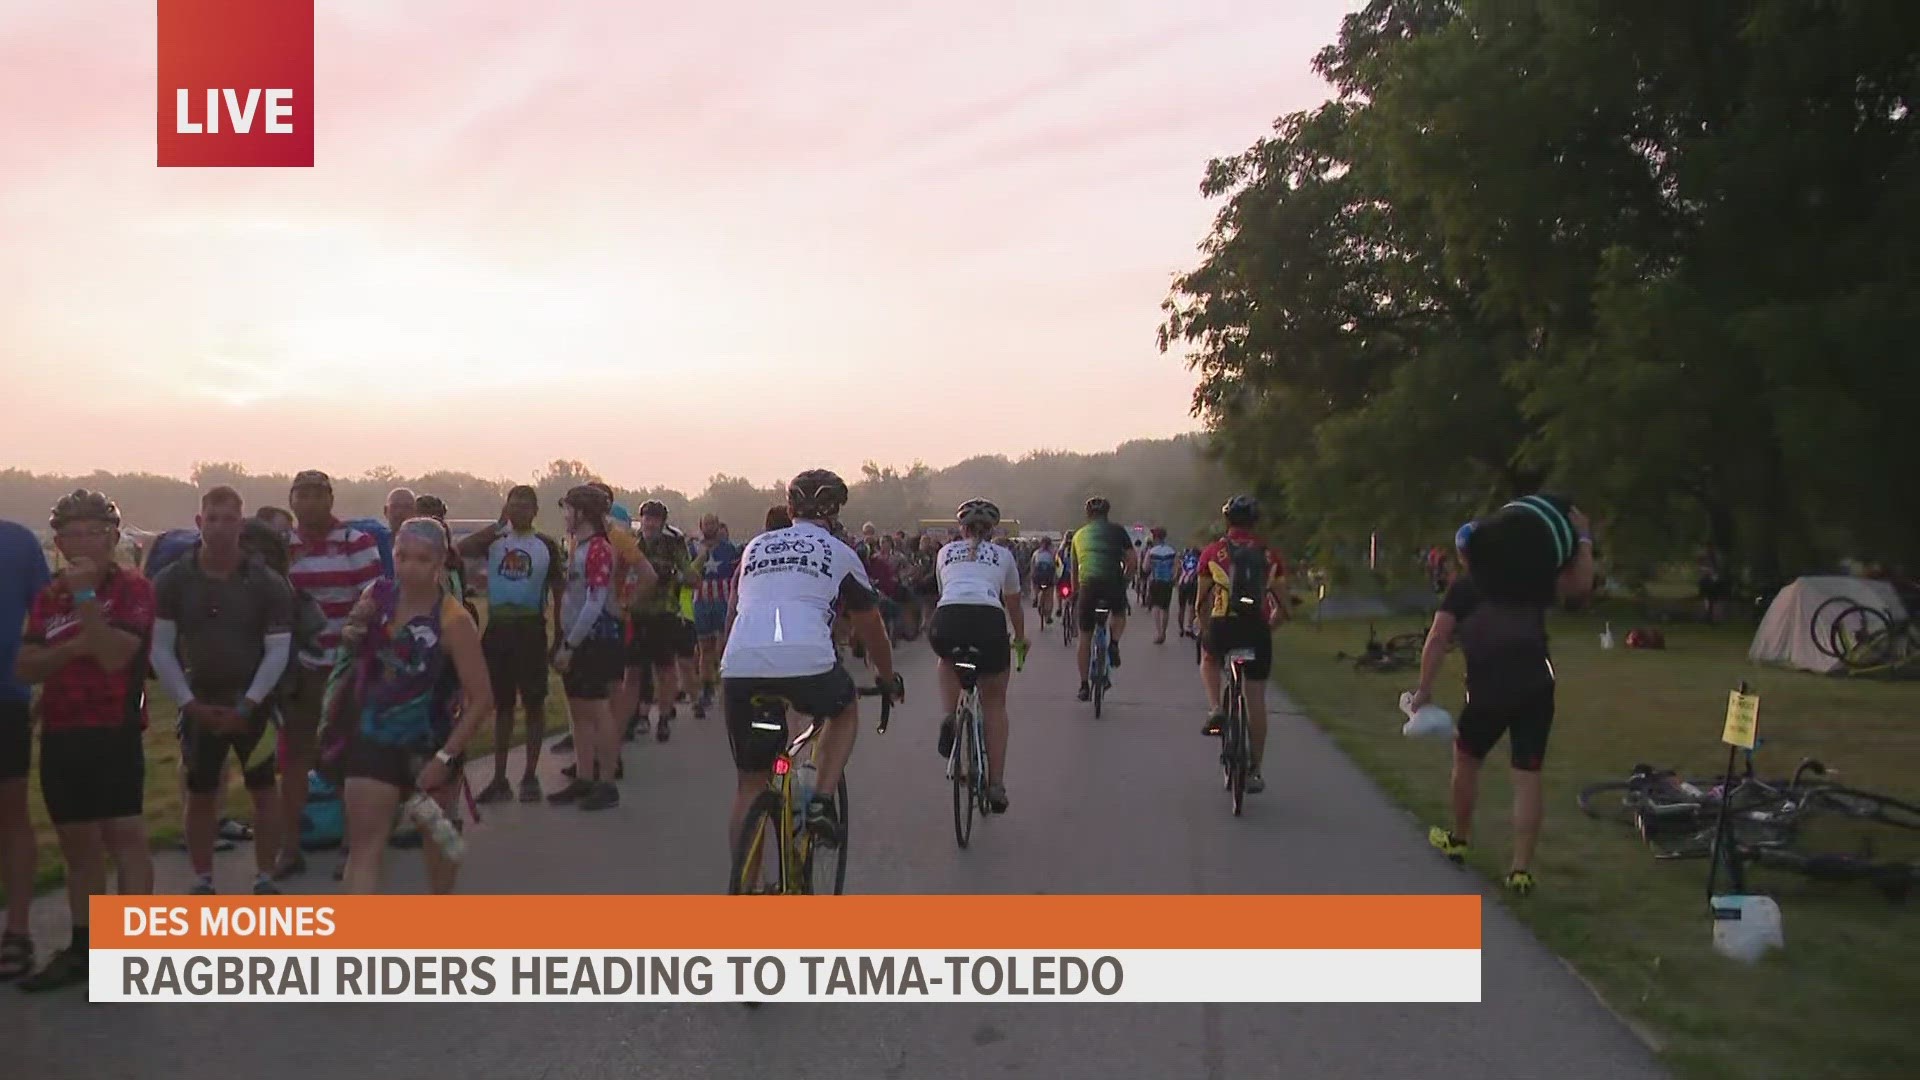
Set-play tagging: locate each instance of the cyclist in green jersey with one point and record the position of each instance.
(1103, 561)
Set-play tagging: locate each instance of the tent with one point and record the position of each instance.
(1786, 634)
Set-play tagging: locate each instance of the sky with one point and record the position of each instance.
(669, 241)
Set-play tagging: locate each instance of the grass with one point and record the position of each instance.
(1639, 931)
(165, 797)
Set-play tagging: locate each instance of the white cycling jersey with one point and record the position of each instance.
(792, 583)
(985, 575)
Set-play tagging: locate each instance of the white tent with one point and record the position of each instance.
(1786, 635)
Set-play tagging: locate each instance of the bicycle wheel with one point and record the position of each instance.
(759, 838)
(823, 867)
(963, 766)
(1861, 637)
(1237, 749)
(1867, 806)
(1612, 800)
(1820, 627)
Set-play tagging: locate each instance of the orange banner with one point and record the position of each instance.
(838, 922)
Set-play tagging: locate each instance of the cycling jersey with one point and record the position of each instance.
(672, 567)
(1099, 549)
(1190, 567)
(521, 570)
(1218, 566)
(984, 574)
(1161, 562)
(587, 608)
(793, 583)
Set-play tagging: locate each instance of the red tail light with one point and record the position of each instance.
(780, 766)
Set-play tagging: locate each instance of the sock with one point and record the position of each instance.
(81, 938)
(207, 879)
(262, 878)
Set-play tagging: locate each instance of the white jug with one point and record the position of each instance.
(1606, 637)
(1747, 927)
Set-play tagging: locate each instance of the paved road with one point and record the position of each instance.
(1128, 804)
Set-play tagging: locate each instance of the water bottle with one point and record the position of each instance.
(806, 780)
(1606, 637)
(427, 816)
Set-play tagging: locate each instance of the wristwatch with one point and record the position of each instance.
(443, 757)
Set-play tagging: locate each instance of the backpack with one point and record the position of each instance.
(1248, 572)
(167, 548)
(323, 822)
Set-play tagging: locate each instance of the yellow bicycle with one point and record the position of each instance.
(808, 865)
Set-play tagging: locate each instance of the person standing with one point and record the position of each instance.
(1510, 686)
(23, 574)
(587, 656)
(656, 629)
(719, 557)
(86, 643)
(525, 569)
(222, 636)
(333, 563)
(415, 652)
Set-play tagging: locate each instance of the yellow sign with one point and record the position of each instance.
(1743, 717)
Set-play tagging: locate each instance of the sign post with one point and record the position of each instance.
(1738, 732)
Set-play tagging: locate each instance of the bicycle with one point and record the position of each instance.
(967, 762)
(1069, 619)
(1097, 660)
(1236, 739)
(1398, 652)
(1866, 640)
(781, 808)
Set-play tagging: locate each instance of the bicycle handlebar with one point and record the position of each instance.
(899, 690)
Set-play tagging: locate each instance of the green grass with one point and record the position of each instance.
(1834, 1003)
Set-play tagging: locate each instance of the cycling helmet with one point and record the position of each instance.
(977, 512)
(816, 493)
(1241, 511)
(1460, 538)
(591, 498)
(653, 508)
(621, 514)
(83, 505)
(1098, 506)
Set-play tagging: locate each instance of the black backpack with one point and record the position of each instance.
(1248, 573)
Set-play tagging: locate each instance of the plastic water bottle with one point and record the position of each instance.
(806, 780)
(427, 816)
(1606, 637)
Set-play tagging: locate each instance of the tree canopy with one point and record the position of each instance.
(1656, 256)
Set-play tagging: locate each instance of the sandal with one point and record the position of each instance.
(16, 956)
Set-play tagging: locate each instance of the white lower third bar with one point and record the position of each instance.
(731, 975)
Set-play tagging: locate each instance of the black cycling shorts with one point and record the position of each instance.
(1160, 594)
(16, 740)
(516, 652)
(1225, 635)
(1111, 595)
(821, 696)
(1526, 722)
(96, 774)
(594, 669)
(366, 759)
(653, 638)
(205, 754)
(687, 645)
(1189, 591)
(982, 627)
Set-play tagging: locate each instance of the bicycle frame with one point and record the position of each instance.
(969, 741)
(1097, 658)
(1236, 737)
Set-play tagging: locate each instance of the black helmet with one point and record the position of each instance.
(653, 508)
(83, 505)
(977, 512)
(1241, 511)
(816, 493)
(591, 498)
(1098, 506)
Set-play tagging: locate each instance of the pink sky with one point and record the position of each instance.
(668, 241)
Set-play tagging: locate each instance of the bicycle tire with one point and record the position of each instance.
(1866, 806)
(1861, 637)
(1237, 749)
(963, 765)
(1823, 641)
(1405, 648)
(762, 821)
(810, 851)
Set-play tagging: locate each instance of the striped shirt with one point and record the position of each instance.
(333, 571)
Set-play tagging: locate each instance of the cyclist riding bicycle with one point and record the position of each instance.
(979, 592)
(1045, 576)
(793, 583)
(1241, 582)
(1103, 561)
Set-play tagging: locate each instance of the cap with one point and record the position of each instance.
(621, 514)
(312, 478)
